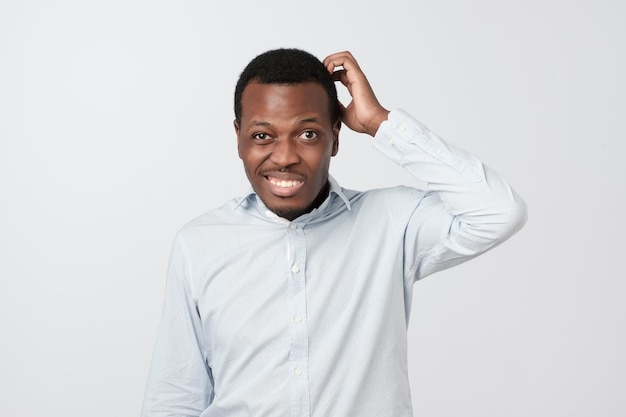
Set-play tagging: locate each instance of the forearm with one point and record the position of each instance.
(481, 209)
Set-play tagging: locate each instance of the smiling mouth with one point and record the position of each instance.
(284, 187)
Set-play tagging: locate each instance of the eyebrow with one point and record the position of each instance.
(308, 120)
(260, 123)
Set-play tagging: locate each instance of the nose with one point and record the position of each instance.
(285, 153)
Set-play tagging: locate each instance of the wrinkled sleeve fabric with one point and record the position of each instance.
(467, 208)
(179, 381)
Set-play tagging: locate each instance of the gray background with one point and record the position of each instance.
(116, 129)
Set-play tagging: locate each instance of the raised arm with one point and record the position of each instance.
(467, 208)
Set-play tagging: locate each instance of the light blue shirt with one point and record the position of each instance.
(264, 317)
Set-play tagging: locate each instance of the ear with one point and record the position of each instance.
(336, 129)
(236, 125)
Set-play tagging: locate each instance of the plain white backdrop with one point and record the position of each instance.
(116, 129)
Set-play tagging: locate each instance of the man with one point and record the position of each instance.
(294, 299)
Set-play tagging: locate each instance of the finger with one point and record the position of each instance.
(341, 76)
(340, 59)
(340, 63)
(344, 55)
(337, 75)
(349, 74)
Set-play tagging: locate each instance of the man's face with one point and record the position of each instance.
(285, 140)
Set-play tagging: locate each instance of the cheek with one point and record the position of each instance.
(253, 157)
(319, 164)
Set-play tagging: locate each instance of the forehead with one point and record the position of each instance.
(284, 100)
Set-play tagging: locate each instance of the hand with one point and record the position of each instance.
(364, 113)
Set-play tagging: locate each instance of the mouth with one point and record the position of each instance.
(283, 187)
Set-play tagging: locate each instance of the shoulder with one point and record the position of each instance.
(210, 222)
(386, 206)
(400, 196)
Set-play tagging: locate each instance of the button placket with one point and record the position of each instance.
(298, 330)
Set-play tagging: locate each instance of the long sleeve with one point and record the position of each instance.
(467, 209)
(179, 382)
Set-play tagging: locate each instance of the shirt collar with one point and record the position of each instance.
(335, 188)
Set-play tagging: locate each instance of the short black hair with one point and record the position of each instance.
(288, 66)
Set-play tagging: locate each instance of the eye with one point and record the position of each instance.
(308, 135)
(261, 136)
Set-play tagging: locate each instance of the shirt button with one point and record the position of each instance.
(392, 142)
(297, 319)
(295, 269)
(297, 371)
(401, 128)
(293, 226)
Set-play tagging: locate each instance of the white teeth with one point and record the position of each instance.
(284, 184)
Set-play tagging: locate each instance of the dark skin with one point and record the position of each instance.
(285, 137)
(363, 114)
